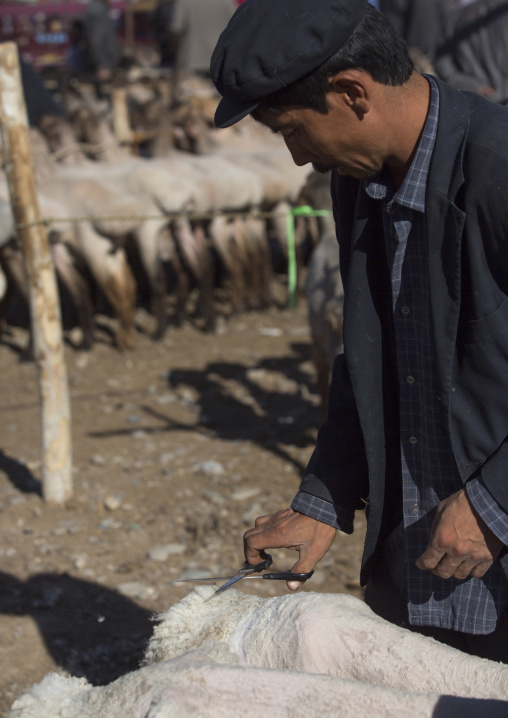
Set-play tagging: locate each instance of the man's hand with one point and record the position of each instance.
(289, 529)
(461, 544)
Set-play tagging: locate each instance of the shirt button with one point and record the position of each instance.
(415, 510)
(410, 380)
(405, 310)
(413, 440)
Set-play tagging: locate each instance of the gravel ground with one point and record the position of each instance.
(177, 447)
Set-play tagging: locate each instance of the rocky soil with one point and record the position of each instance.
(177, 447)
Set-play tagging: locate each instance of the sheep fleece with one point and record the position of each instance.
(296, 655)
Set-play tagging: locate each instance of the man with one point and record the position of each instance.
(100, 38)
(418, 407)
(474, 52)
(195, 27)
(420, 22)
(162, 21)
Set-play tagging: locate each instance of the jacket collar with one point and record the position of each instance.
(446, 175)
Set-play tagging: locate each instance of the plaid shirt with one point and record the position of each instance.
(429, 471)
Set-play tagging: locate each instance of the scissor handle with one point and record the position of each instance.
(260, 566)
(287, 576)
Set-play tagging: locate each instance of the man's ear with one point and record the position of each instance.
(352, 88)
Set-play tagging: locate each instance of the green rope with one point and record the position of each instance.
(305, 211)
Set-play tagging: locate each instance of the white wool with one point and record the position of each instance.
(192, 686)
(199, 613)
(234, 655)
(55, 696)
(334, 634)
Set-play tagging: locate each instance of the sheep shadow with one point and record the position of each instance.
(89, 630)
(241, 402)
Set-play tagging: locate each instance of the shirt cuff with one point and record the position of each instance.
(323, 511)
(488, 509)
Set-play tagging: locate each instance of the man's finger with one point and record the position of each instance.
(260, 520)
(465, 569)
(481, 568)
(266, 534)
(430, 558)
(447, 567)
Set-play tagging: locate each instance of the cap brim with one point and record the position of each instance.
(230, 111)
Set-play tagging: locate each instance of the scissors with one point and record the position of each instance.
(249, 571)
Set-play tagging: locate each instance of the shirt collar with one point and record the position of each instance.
(412, 191)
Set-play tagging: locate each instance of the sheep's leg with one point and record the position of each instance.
(149, 242)
(304, 227)
(7, 290)
(110, 269)
(14, 268)
(121, 292)
(78, 289)
(195, 255)
(251, 265)
(241, 263)
(257, 229)
(182, 290)
(4, 297)
(206, 305)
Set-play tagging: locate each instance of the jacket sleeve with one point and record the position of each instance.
(337, 470)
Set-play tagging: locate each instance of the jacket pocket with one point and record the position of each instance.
(480, 330)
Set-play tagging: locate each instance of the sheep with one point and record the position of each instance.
(61, 238)
(296, 655)
(135, 191)
(192, 686)
(239, 178)
(333, 634)
(162, 187)
(323, 288)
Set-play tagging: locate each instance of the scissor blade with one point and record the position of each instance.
(214, 579)
(229, 583)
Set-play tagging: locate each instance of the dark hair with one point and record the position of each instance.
(374, 47)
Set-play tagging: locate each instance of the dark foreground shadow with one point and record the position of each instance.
(19, 475)
(90, 631)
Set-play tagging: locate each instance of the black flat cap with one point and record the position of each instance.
(269, 44)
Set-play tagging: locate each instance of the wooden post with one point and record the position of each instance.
(42, 287)
(121, 124)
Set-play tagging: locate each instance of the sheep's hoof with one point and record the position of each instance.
(125, 341)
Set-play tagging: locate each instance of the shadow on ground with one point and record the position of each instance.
(89, 630)
(19, 475)
(238, 402)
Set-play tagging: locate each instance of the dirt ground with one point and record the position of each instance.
(177, 447)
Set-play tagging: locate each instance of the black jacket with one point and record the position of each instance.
(467, 233)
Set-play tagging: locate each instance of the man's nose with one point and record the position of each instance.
(300, 157)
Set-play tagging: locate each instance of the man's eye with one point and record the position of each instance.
(290, 135)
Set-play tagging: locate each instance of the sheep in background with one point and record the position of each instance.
(324, 290)
(238, 654)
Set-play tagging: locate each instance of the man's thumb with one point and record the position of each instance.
(303, 565)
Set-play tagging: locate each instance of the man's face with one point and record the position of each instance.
(338, 140)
